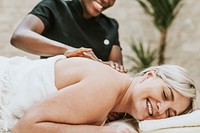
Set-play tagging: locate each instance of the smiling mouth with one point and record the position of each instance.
(149, 107)
(97, 5)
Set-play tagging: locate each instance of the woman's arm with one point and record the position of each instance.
(77, 108)
(28, 37)
(65, 128)
(51, 127)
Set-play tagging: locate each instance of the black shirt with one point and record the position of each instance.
(64, 22)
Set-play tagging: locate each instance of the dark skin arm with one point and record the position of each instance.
(28, 37)
(116, 55)
(115, 59)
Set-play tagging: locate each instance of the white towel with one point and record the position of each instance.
(22, 83)
(187, 120)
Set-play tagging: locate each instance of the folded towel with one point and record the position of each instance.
(187, 120)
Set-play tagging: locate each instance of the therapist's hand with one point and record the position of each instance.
(112, 64)
(78, 52)
(116, 66)
(88, 53)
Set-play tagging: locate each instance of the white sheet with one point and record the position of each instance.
(176, 130)
(189, 123)
(187, 120)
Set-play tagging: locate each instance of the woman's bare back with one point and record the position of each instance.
(101, 83)
(73, 70)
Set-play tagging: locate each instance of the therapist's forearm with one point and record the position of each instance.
(35, 43)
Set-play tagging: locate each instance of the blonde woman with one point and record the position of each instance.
(59, 95)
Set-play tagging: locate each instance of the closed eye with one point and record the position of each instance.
(168, 113)
(165, 95)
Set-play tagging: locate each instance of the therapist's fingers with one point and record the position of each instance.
(77, 52)
(116, 66)
(123, 69)
(92, 56)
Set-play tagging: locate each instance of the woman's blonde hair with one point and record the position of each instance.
(177, 78)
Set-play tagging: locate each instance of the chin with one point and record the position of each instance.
(91, 14)
(94, 13)
(140, 117)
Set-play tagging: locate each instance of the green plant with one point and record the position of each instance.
(144, 57)
(163, 13)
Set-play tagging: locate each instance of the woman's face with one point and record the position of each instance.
(92, 8)
(153, 99)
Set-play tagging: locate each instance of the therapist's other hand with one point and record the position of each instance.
(116, 66)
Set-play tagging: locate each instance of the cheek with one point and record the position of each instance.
(138, 93)
(112, 2)
(148, 89)
(181, 103)
(142, 90)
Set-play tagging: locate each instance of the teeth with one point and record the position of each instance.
(98, 5)
(149, 108)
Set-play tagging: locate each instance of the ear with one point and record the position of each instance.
(151, 73)
(147, 75)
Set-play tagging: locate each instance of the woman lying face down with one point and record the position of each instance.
(86, 91)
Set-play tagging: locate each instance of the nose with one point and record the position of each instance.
(162, 108)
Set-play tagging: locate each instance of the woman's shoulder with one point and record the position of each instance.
(91, 67)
